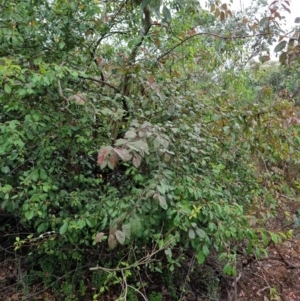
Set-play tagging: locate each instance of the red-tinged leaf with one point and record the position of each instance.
(123, 154)
(222, 16)
(282, 58)
(229, 13)
(113, 160)
(15, 296)
(274, 2)
(287, 2)
(191, 32)
(99, 236)
(103, 154)
(156, 42)
(167, 157)
(224, 6)
(120, 237)
(264, 58)
(151, 79)
(287, 9)
(137, 159)
(99, 60)
(112, 242)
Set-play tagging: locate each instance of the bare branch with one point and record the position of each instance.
(101, 82)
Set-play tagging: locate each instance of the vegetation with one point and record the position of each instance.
(136, 135)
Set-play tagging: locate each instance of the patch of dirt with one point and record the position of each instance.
(274, 278)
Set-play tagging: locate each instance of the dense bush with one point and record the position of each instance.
(131, 136)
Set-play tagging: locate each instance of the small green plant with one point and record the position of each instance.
(131, 295)
(155, 296)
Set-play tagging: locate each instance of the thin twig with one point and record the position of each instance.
(101, 82)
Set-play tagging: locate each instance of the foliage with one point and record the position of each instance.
(132, 125)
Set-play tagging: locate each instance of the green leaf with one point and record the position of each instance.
(168, 252)
(280, 46)
(89, 223)
(265, 239)
(283, 57)
(134, 42)
(43, 174)
(263, 21)
(200, 233)
(136, 226)
(45, 188)
(5, 169)
(149, 194)
(42, 227)
(29, 214)
(7, 88)
(200, 257)
(191, 234)
(156, 143)
(63, 229)
(205, 250)
(167, 15)
(227, 269)
(36, 117)
(162, 202)
(61, 44)
(144, 4)
(161, 189)
(274, 237)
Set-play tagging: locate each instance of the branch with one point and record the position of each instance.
(60, 91)
(101, 82)
(143, 33)
(144, 260)
(93, 51)
(208, 34)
